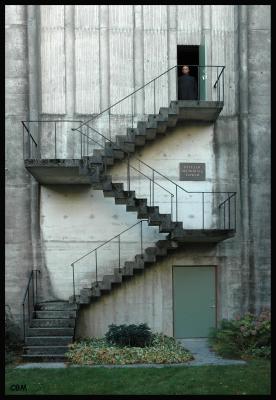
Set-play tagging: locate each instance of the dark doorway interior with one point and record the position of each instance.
(188, 55)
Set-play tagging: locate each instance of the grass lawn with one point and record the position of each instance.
(253, 378)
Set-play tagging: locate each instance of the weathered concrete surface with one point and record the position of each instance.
(238, 148)
(18, 235)
(242, 147)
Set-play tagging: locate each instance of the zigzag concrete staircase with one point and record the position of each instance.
(51, 330)
(94, 167)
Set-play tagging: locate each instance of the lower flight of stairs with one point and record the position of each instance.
(51, 331)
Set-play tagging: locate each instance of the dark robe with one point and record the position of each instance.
(187, 88)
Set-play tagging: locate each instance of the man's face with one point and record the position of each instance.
(185, 70)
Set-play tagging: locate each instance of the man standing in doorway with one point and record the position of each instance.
(187, 85)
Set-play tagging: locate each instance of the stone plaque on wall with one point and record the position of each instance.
(192, 171)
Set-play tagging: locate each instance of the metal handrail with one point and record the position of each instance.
(97, 248)
(146, 84)
(119, 234)
(27, 292)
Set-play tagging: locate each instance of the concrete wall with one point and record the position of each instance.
(19, 256)
(148, 297)
(75, 220)
(69, 62)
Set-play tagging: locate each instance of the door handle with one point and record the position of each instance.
(212, 306)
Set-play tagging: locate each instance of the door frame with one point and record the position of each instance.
(217, 291)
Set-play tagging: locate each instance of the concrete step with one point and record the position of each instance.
(112, 279)
(42, 350)
(56, 305)
(134, 265)
(44, 358)
(53, 323)
(156, 251)
(54, 314)
(138, 138)
(48, 340)
(168, 244)
(50, 332)
(125, 271)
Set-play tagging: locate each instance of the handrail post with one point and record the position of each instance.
(23, 142)
(176, 205)
(96, 268)
(81, 141)
(109, 124)
(223, 85)
(29, 144)
(36, 286)
(224, 215)
(154, 96)
(29, 306)
(235, 212)
(198, 84)
(229, 204)
(150, 191)
(55, 140)
(202, 210)
(172, 205)
(119, 242)
(74, 290)
(33, 290)
(153, 187)
(128, 175)
(217, 86)
(24, 333)
(141, 236)
(132, 111)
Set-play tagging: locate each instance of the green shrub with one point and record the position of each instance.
(13, 343)
(129, 335)
(163, 349)
(247, 336)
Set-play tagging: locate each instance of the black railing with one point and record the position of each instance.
(46, 141)
(30, 298)
(202, 79)
(54, 140)
(115, 256)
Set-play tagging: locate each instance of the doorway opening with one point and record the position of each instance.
(188, 55)
(193, 56)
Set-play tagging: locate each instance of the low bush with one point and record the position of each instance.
(13, 343)
(129, 335)
(248, 336)
(163, 349)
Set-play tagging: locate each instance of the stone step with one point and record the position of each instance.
(112, 279)
(54, 314)
(56, 305)
(138, 138)
(168, 244)
(44, 358)
(53, 323)
(41, 350)
(125, 271)
(134, 265)
(48, 340)
(50, 332)
(157, 251)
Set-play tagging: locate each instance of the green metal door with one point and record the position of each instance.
(194, 291)
(202, 73)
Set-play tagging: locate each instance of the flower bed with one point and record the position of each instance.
(163, 350)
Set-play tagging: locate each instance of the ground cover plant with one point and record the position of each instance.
(247, 336)
(160, 349)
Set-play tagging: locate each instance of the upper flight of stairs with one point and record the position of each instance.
(135, 137)
(51, 330)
